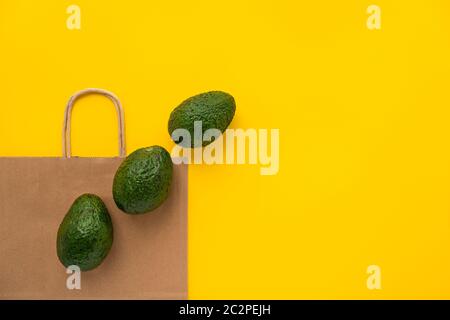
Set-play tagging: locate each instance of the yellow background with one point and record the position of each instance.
(364, 119)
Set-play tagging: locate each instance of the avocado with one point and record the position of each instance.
(143, 180)
(215, 110)
(85, 235)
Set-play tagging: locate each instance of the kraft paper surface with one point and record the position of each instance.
(148, 259)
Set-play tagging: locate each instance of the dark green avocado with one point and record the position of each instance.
(85, 235)
(215, 109)
(143, 180)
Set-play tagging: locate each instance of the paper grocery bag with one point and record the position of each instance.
(148, 259)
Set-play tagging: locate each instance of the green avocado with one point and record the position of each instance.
(215, 110)
(143, 180)
(85, 235)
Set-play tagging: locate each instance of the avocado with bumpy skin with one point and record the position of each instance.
(85, 235)
(215, 110)
(143, 180)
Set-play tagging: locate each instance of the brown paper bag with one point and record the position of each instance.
(148, 259)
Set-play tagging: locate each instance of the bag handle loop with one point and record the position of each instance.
(66, 137)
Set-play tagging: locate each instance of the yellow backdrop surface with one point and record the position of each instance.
(364, 119)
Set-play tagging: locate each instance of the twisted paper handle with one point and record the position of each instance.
(66, 138)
